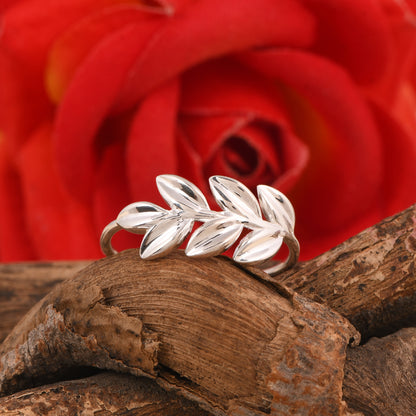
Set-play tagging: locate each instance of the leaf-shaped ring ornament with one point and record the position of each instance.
(271, 221)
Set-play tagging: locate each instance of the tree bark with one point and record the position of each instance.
(370, 278)
(24, 284)
(380, 376)
(103, 394)
(225, 338)
(206, 327)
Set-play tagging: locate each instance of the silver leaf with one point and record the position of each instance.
(181, 194)
(232, 195)
(139, 216)
(276, 207)
(164, 237)
(258, 246)
(213, 237)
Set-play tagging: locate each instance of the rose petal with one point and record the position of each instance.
(208, 132)
(169, 7)
(151, 148)
(315, 243)
(27, 33)
(28, 29)
(111, 193)
(60, 227)
(15, 243)
(231, 88)
(73, 46)
(254, 152)
(404, 104)
(353, 33)
(221, 28)
(190, 164)
(233, 103)
(6, 4)
(399, 175)
(87, 102)
(343, 177)
(401, 19)
(23, 104)
(249, 154)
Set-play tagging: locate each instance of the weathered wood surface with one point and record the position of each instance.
(24, 284)
(206, 327)
(380, 376)
(376, 382)
(370, 278)
(103, 394)
(221, 336)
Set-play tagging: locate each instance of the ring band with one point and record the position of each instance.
(166, 229)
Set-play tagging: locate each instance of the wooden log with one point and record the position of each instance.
(380, 376)
(102, 394)
(24, 284)
(387, 257)
(379, 381)
(370, 278)
(232, 342)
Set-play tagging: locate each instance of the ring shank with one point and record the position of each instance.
(289, 239)
(106, 236)
(294, 248)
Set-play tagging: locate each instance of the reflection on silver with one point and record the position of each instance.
(166, 229)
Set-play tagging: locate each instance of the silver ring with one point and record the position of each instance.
(165, 229)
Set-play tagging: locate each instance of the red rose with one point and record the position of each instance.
(98, 98)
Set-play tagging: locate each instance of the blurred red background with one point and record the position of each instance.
(313, 97)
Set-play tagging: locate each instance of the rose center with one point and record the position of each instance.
(240, 156)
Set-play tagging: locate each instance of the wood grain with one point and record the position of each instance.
(205, 327)
(370, 278)
(103, 394)
(380, 376)
(24, 284)
(218, 334)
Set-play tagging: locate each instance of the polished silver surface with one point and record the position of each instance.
(166, 229)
